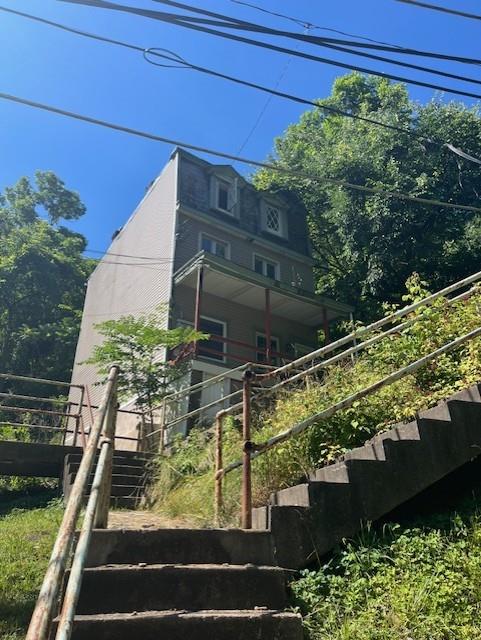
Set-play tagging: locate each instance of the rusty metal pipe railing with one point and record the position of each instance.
(259, 449)
(55, 383)
(45, 608)
(246, 498)
(48, 412)
(354, 335)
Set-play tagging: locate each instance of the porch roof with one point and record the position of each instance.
(231, 281)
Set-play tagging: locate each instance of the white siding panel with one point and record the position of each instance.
(118, 289)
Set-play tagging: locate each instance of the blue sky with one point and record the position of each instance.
(112, 170)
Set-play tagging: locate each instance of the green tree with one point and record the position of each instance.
(142, 348)
(42, 277)
(366, 246)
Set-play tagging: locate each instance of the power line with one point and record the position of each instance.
(264, 45)
(222, 154)
(174, 59)
(306, 24)
(436, 7)
(229, 21)
(128, 255)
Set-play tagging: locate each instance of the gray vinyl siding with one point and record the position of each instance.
(294, 272)
(242, 322)
(116, 289)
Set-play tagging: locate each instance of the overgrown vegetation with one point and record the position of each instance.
(185, 481)
(366, 246)
(26, 540)
(420, 582)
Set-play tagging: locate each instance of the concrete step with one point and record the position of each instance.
(127, 588)
(118, 469)
(117, 480)
(244, 624)
(189, 546)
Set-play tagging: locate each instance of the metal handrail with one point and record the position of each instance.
(400, 313)
(45, 608)
(259, 449)
(251, 450)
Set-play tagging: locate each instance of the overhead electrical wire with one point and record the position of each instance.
(222, 154)
(179, 62)
(265, 45)
(229, 21)
(129, 255)
(306, 24)
(437, 7)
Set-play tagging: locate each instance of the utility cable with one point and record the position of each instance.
(222, 154)
(436, 7)
(229, 21)
(306, 24)
(264, 45)
(177, 61)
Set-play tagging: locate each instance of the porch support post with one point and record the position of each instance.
(198, 299)
(325, 326)
(267, 321)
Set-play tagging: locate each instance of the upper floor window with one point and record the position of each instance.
(266, 267)
(224, 195)
(273, 219)
(214, 246)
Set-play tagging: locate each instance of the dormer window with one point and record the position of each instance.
(273, 220)
(224, 196)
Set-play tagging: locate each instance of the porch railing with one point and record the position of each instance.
(101, 442)
(361, 338)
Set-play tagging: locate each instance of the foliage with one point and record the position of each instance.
(421, 581)
(367, 245)
(26, 540)
(140, 347)
(192, 463)
(42, 278)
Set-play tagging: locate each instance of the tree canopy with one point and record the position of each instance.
(42, 277)
(366, 246)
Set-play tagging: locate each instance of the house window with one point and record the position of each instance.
(224, 196)
(261, 345)
(273, 220)
(214, 246)
(212, 349)
(267, 268)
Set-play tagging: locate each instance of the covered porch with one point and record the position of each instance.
(250, 318)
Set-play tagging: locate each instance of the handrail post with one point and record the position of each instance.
(108, 433)
(218, 500)
(246, 500)
(163, 417)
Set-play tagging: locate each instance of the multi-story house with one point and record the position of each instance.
(225, 258)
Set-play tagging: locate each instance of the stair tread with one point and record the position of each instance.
(187, 567)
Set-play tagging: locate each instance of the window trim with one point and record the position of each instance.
(211, 357)
(217, 180)
(282, 233)
(203, 234)
(266, 259)
(261, 334)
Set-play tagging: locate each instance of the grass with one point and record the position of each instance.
(26, 540)
(420, 581)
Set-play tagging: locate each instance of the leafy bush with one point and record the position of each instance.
(192, 463)
(421, 583)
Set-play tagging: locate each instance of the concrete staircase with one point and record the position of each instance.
(180, 583)
(129, 478)
(223, 584)
(309, 519)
